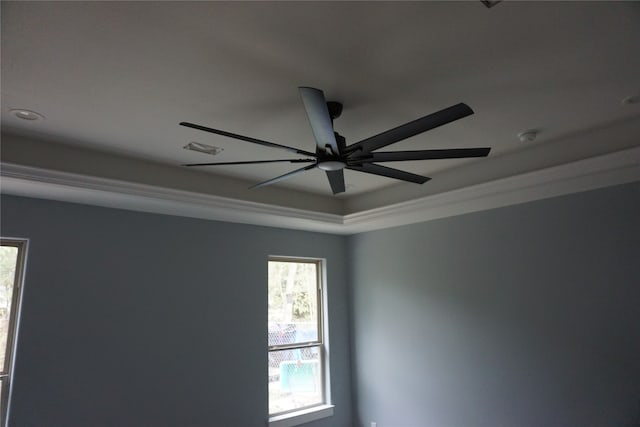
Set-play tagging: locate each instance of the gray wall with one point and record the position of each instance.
(520, 316)
(524, 316)
(133, 319)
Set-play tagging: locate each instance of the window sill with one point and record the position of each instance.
(300, 417)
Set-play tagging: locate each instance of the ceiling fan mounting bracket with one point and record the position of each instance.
(335, 109)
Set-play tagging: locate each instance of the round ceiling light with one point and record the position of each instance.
(332, 165)
(24, 114)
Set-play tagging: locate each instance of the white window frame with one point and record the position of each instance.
(325, 408)
(6, 371)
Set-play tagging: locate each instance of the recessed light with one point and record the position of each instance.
(528, 135)
(203, 148)
(25, 114)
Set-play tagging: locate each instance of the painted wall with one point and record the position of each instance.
(133, 319)
(522, 316)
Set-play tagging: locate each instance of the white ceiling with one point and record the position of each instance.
(119, 77)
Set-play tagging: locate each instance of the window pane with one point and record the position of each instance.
(295, 379)
(293, 302)
(8, 261)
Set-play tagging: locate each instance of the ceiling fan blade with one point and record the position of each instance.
(399, 156)
(246, 138)
(389, 172)
(410, 129)
(252, 162)
(336, 180)
(321, 124)
(283, 177)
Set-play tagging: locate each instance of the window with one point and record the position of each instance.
(11, 267)
(297, 352)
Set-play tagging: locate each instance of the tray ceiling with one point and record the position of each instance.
(118, 77)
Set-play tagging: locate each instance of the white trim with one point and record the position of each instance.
(588, 174)
(19, 292)
(69, 187)
(301, 417)
(582, 175)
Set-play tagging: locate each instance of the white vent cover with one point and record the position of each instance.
(203, 148)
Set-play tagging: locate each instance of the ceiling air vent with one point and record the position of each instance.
(203, 148)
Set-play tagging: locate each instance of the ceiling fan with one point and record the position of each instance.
(333, 155)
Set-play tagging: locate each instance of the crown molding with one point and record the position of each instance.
(597, 172)
(41, 183)
(588, 174)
